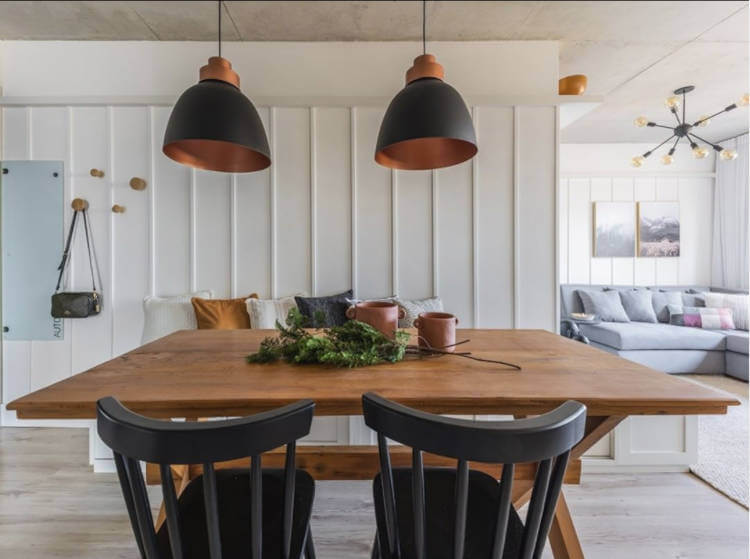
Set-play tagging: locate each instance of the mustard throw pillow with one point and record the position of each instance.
(221, 314)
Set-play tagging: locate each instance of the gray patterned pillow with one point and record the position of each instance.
(333, 308)
(606, 305)
(414, 307)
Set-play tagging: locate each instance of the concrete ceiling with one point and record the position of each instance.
(634, 53)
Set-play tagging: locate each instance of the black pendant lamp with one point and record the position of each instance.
(427, 125)
(214, 126)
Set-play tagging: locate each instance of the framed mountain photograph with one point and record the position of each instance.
(658, 229)
(614, 229)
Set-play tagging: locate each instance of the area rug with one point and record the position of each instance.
(722, 442)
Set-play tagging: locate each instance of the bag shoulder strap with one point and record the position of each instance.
(88, 248)
(66, 251)
(68, 243)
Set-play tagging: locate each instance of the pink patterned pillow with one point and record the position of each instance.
(701, 317)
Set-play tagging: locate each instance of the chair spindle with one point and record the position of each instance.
(210, 500)
(122, 475)
(290, 471)
(556, 481)
(256, 506)
(173, 511)
(462, 498)
(418, 502)
(503, 510)
(536, 506)
(389, 547)
(142, 507)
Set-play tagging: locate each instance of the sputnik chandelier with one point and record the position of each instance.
(686, 130)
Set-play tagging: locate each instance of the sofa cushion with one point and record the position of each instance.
(737, 341)
(640, 335)
(638, 305)
(737, 302)
(701, 317)
(164, 315)
(606, 305)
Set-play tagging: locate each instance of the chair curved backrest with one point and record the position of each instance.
(133, 438)
(546, 439)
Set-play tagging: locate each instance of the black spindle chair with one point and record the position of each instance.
(223, 513)
(441, 513)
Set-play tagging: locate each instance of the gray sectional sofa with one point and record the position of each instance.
(668, 348)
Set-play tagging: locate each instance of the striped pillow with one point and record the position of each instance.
(701, 317)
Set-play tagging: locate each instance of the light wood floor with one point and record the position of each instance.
(51, 505)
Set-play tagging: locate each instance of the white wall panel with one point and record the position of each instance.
(537, 207)
(291, 154)
(50, 140)
(252, 230)
(212, 236)
(15, 133)
(580, 247)
(414, 234)
(455, 231)
(16, 367)
(171, 208)
(92, 337)
(131, 136)
(690, 185)
(494, 219)
(49, 133)
(373, 212)
(333, 198)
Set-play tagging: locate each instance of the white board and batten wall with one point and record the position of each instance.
(323, 218)
(591, 173)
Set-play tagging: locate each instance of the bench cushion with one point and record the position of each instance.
(641, 335)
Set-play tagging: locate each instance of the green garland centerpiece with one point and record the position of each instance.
(353, 344)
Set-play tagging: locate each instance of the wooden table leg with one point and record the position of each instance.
(562, 535)
(563, 538)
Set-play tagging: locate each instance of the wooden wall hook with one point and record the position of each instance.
(79, 204)
(118, 209)
(137, 183)
(97, 173)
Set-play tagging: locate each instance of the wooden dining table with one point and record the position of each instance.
(203, 373)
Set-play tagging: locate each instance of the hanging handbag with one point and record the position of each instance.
(81, 304)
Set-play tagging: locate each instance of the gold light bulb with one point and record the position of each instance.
(704, 121)
(744, 101)
(641, 121)
(699, 152)
(728, 154)
(667, 159)
(672, 102)
(637, 161)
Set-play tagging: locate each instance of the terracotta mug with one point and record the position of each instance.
(437, 330)
(381, 315)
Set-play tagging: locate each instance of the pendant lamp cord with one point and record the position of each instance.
(219, 28)
(424, 26)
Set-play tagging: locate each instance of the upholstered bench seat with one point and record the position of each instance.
(643, 335)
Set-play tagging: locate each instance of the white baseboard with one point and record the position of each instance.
(610, 466)
(104, 466)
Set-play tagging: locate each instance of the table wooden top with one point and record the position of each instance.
(203, 373)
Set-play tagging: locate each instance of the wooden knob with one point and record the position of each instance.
(118, 209)
(79, 204)
(137, 183)
(97, 173)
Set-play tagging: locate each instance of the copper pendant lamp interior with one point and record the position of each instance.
(214, 126)
(427, 124)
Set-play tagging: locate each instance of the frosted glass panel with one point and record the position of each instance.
(32, 239)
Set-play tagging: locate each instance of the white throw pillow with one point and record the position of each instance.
(164, 315)
(414, 307)
(738, 302)
(265, 312)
